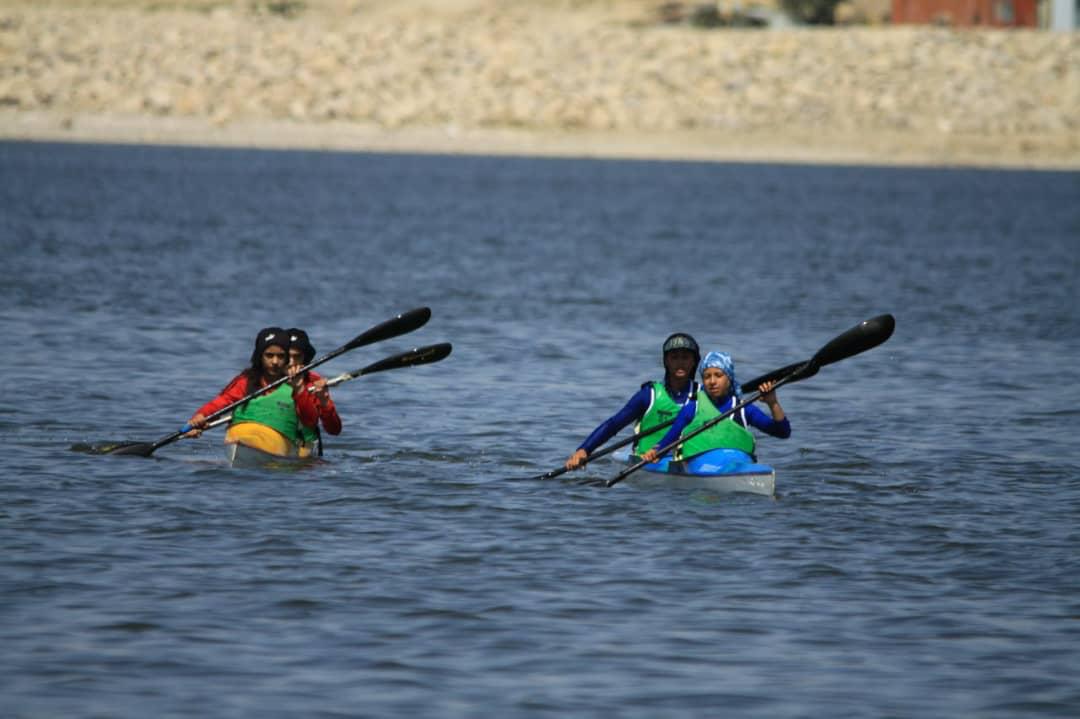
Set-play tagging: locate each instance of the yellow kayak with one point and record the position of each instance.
(249, 444)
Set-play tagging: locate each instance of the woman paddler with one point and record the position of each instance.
(719, 393)
(288, 408)
(654, 404)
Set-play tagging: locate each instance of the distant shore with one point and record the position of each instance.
(872, 149)
(483, 77)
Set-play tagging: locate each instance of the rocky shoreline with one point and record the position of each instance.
(535, 78)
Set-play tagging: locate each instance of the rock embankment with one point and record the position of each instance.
(985, 97)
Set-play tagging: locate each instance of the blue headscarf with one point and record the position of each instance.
(723, 362)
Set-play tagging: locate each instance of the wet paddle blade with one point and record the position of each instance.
(140, 449)
(137, 449)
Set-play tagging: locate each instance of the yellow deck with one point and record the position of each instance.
(267, 443)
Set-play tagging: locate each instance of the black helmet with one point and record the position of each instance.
(299, 339)
(682, 341)
(269, 336)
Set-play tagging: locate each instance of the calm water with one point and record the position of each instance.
(922, 559)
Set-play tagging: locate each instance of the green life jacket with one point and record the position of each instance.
(662, 408)
(311, 438)
(725, 434)
(310, 435)
(276, 410)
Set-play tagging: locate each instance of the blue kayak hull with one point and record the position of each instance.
(719, 470)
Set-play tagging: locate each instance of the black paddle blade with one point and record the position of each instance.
(403, 323)
(138, 449)
(412, 358)
(143, 449)
(96, 448)
(863, 336)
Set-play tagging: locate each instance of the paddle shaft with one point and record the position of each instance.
(607, 450)
(405, 322)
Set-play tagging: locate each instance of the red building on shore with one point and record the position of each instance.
(967, 13)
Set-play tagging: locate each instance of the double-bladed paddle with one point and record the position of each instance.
(399, 325)
(412, 358)
(752, 385)
(860, 338)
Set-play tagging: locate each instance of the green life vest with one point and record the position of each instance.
(276, 410)
(311, 438)
(308, 434)
(662, 408)
(725, 434)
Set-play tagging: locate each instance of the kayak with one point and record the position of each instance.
(249, 444)
(718, 470)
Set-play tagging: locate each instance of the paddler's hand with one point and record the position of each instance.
(296, 378)
(320, 392)
(577, 459)
(650, 456)
(768, 395)
(198, 422)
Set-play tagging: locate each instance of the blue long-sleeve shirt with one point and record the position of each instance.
(632, 411)
(754, 417)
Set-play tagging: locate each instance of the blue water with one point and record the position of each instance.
(921, 559)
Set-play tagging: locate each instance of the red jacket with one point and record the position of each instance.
(328, 415)
(307, 406)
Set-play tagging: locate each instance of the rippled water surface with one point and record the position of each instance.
(921, 559)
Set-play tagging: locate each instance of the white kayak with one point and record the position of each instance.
(718, 470)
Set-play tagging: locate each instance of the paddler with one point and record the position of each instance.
(653, 404)
(288, 409)
(301, 352)
(719, 393)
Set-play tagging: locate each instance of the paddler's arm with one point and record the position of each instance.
(632, 411)
(235, 390)
(307, 406)
(777, 424)
(328, 415)
(682, 419)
